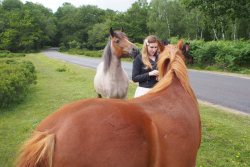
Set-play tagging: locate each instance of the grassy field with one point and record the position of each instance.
(225, 136)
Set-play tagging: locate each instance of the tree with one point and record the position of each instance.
(74, 23)
(167, 18)
(136, 18)
(98, 35)
(25, 27)
(221, 15)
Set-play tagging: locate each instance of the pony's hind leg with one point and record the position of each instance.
(99, 95)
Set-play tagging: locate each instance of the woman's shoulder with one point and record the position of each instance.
(138, 58)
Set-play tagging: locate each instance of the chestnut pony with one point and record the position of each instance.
(159, 129)
(111, 80)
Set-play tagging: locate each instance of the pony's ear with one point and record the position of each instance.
(122, 30)
(180, 44)
(111, 32)
(161, 46)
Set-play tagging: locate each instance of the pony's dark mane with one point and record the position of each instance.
(107, 56)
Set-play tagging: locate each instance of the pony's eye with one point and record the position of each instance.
(117, 41)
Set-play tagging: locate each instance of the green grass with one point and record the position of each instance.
(243, 70)
(225, 140)
(53, 89)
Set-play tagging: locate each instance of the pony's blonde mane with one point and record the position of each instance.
(171, 63)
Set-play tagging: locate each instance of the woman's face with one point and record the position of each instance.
(152, 48)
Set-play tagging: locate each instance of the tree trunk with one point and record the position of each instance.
(234, 30)
(197, 26)
(215, 35)
(222, 31)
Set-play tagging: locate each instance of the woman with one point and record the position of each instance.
(145, 66)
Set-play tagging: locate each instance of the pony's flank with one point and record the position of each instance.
(37, 151)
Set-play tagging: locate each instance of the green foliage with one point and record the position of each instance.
(243, 58)
(74, 23)
(98, 35)
(139, 45)
(136, 21)
(224, 55)
(25, 27)
(16, 77)
(167, 18)
(221, 16)
(74, 44)
(12, 4)
(6, 53)
(62, 68)
(205, 56)
(29, 27)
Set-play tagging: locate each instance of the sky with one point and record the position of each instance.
(116, 5)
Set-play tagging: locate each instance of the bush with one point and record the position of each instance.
(16, 77)
(243, 58)
(74, 44)
(205, 56)
(62, 68)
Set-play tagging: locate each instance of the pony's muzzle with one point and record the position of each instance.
(134, 52)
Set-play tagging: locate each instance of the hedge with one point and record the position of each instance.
(226, 55)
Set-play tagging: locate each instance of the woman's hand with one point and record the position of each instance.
(153, 73)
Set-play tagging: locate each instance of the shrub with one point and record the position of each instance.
(62, 68)
(62, 47)
(225, 55)
(243, 58)
(16, 77)
(74, 44)
(205, 55)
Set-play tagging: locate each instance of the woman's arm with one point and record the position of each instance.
(138, 75)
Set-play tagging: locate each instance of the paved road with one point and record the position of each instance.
(223, 90)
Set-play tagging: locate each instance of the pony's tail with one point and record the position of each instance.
(37, 151)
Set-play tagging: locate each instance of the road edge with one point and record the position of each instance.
(223, 108)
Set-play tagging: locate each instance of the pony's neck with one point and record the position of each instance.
(115, 62)
(115, 65)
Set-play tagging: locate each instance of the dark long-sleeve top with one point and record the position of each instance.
(141, 74)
